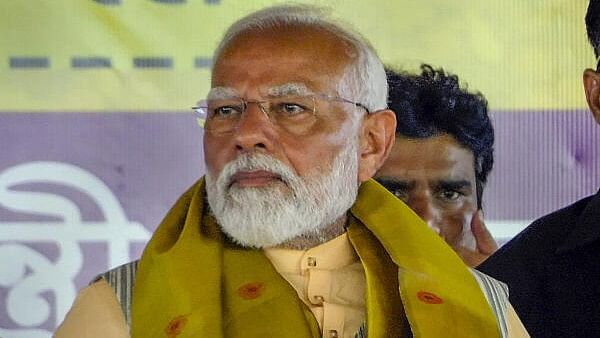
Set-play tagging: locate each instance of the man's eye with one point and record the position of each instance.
(450, 195)
(226, 111)
(290, 108)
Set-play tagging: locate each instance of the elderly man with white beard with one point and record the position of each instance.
(287, 235)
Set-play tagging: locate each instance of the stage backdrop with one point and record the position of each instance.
(97, 139)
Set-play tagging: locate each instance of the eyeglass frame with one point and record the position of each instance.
(202, 117)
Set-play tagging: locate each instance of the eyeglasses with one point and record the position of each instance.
(294, 114)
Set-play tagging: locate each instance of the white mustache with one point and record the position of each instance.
(253, 162)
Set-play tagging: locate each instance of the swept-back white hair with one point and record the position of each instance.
(364, 80)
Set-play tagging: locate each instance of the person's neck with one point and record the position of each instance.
(310, 240)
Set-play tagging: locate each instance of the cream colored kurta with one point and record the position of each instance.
(96, 313)
(328, 278)
(331, 281)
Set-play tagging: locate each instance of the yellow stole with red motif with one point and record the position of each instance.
(193, 282)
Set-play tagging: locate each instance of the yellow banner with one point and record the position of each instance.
(155, 55)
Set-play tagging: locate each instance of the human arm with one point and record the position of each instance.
(95, 313)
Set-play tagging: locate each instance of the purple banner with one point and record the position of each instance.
(543, 161)
(80, 193)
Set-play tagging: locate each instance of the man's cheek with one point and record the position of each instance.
(213, 164)
(467, 240)
(457, 230)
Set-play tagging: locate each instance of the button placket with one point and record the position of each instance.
(319, 286)
(334, 319)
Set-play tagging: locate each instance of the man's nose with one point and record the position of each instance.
(424, 207)
(254, 130)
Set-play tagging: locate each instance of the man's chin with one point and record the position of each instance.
(252, 240)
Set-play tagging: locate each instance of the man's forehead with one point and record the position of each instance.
(434, 180)
(281, 55)
(284, 89)
(431, 175)
(436, 151)
(433, 158)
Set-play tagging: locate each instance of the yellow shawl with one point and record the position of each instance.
(192, 282)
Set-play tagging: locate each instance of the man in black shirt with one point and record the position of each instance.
(553, 266)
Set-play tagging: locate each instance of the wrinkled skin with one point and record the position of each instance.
(254, 62)
(435, 177)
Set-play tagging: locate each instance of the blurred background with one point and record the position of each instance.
(97, 139)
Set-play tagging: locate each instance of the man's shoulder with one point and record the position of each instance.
(496, 293)
(122, 279)
(94, 313)
(559, 220)
(120, 273)
(545, 233)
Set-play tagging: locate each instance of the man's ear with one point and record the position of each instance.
(591, 84)
(377, 137)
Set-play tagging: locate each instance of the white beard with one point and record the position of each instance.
(268, 216)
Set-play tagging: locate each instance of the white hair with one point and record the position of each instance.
(364, 80)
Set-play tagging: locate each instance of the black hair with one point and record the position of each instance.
(592, 24)
(433, 103)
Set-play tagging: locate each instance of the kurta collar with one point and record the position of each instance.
(331, 255)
